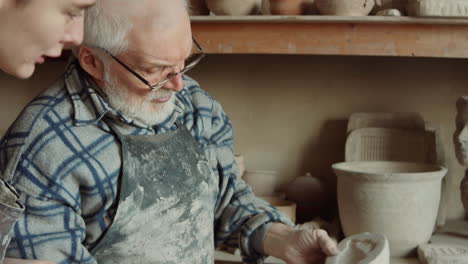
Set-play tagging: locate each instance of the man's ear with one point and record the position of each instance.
(91, 63)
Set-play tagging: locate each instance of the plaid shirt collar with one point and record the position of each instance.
(90, 106)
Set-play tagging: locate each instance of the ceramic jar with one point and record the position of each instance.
(234, 7)
(309, 193)
(262, 182)
(198, 8)
(345, 7)
(398, 199)
(286, 7)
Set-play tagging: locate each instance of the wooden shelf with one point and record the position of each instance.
(331, 35)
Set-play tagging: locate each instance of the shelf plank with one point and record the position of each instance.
(322, 35)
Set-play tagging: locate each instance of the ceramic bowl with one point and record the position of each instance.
(233, 7)
(286, 7)
(398, 199)
(345, 7)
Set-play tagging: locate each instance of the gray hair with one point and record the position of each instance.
(107, 26)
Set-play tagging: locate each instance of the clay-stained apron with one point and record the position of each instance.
(166, 203)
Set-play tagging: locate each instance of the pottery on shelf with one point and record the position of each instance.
(345, 7)
(383, 5)
(364, 248)
(389, 12)
(437, 8)
(262, 182)
(286, 7)
(286, 207)
(198, 8)
(398, 199)
(310, 195)
(234, 7)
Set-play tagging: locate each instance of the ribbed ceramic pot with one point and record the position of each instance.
(398, 199)
(345, 7)
(234, 7)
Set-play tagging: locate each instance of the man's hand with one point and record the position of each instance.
(299, 245)
(25, 261)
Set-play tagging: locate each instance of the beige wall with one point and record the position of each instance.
(289, 112)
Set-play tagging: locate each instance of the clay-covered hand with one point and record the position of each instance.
(304, 245)
(25, 261)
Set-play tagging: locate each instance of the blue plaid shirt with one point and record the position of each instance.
(64, 161)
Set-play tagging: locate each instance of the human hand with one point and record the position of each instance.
(25, 261)
(302, 245)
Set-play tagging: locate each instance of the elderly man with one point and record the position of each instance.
(126, 160)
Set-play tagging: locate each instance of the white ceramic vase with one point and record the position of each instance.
(398, 199)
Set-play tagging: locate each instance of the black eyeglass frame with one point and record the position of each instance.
(171, 76)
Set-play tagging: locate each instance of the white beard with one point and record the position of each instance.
(141, 109)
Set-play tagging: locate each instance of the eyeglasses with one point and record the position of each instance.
(191, 62)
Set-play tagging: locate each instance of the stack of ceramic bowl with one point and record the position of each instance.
(437, 8)
(390, 182)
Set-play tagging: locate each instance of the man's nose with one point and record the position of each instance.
(176, 84)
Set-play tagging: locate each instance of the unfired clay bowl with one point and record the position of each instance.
(288, 208)
(398, 199)
(233, 7)
(345, 7)
(364, 248)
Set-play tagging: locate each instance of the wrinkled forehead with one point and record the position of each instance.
(169, 47)
(162, 34)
